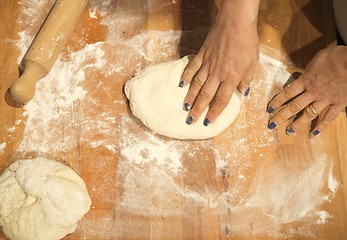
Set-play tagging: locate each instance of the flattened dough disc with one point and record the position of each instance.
(157, 101)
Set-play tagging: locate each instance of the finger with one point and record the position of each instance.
(220, 101)
(307, 116)
(203, 99)
(191, 70)
(195, 87)
(244, 86)
(287, 93)
(293, 107)
(329, 117)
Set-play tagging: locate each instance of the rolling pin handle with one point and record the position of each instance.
(23, 89)
(46, 47)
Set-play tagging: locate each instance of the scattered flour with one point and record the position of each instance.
(221, 163)
(150, 169)
(151, 152)
(92, 13)
(11, 129)
(145, 43)
(290, 196)
(54, 100)
(275, 193)
(323, 217)
(2, 148)
(332, 183)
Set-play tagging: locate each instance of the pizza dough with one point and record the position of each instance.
(156, 99)
(41, 199)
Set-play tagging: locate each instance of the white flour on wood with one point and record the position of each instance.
(151, 171)
(46, 129)
(275, 193)
(2, 148)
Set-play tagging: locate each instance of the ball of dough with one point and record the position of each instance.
(41, 199)
(156, 99)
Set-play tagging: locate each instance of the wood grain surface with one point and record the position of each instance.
(247, 183)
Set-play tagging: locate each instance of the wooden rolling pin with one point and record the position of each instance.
(46, 47)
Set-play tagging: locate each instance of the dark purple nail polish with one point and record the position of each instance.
(246, 93)
(181, 85)
(290, 131)
(189, 120)
(316, 132)
(186, 107)
(207, 122)
(270, 109)
(272, 125)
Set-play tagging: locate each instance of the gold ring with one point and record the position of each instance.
(311, 111)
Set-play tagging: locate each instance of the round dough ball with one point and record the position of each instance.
(157, 101)
(41, 199)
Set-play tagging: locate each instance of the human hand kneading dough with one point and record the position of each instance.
(323, 85)
(226, 61)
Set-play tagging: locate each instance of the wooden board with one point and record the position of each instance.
(247, 183)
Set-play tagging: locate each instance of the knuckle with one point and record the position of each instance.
(198, 108)
(329, 117)
(191, 69)
(205, 95)
(276, 102)
(195, 63)
(188, 73)
(308, 115)
(214, 112)
(307, 77)
(198, 81)
(322, 125)
(279, 117)
(294, 106)
(288, 93)
(221, 100)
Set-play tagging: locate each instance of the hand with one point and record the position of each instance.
(322, 86)
(226, 61)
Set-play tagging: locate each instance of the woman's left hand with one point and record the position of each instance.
(322, 86)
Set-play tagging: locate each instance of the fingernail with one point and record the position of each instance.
(207, 122)
(290, 131)
(272, 125)
(270, 109)
(246, 93)
(189, 120)
(186, 107)
(316, 132)
(181, 84)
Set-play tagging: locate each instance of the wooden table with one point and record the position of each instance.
(247, 183)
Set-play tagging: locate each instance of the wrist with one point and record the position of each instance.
(240, 12)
